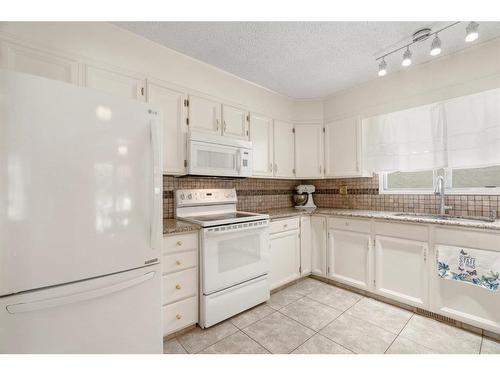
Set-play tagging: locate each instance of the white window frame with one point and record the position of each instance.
(382, 181)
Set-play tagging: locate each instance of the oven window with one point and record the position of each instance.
(215, 159)
(238, 252)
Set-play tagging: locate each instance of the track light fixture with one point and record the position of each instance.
(471, 31)
(436, 46)
(382, 68)
(406, 57)
(471, 34)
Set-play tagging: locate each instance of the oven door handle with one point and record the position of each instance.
(211, 232)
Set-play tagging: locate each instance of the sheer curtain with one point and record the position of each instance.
(473, 127)
(461, 132)
(409, 140)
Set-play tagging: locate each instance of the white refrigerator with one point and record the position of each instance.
(80, 220)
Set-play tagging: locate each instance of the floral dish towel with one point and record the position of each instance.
(478, 267)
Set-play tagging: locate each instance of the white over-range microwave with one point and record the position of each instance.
(216, 155)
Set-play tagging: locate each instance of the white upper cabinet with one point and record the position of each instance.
(173, 106)
(309, 150)
(204, 115)
(234, 122)
(116, 83)
(261, 135)
(43, 64)
(284, 150)
(343, 148)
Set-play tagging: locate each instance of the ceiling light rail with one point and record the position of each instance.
(471, 34)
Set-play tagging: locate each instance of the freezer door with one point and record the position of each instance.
(80, 183)
(120, 313)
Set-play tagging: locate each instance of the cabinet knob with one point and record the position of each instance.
(285, 225)
(346, 223)
(178, 286)
(179, 243)
(178, 262)
(178, 316)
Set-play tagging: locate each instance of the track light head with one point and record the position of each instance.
(382, 68)
(471, 31)
(436, 46)
(406, 57)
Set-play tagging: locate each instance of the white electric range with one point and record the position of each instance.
(234, 252)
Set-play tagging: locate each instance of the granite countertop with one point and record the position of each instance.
(173, 226)
(383, 215)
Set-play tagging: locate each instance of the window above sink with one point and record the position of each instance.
(464, 181)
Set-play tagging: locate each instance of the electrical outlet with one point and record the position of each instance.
(343, 190)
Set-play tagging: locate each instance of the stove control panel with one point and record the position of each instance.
(203, 197)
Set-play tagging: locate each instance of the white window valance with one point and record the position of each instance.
(462, 132)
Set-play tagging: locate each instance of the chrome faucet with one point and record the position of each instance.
(439, 190)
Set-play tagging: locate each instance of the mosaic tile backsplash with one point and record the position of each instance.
(256, 194)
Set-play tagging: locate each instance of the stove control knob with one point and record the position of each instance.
(190, 196)
(182, 196)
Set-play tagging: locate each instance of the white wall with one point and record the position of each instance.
(471, 70)
(101, 42)
(308, 110)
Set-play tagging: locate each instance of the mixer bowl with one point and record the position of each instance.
(300, 199)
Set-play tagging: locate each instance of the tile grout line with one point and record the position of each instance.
(258, 343)
(399, 333)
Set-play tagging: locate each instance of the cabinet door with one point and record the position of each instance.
(31, 61)
(234, 122)
(204, 115)
(343, 148)
(401, 270)
(115, 83)
(284, 150)
(261, 135)
(309, 151)
(305, 245)
(318, 245)
(173, 112)
(349, 258)
(284, 258)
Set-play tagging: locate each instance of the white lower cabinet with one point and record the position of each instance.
(179, 282)
(401, 271)
(305, 245)
(468, 303)
(349, 257)
(318, 245)
(285, 252)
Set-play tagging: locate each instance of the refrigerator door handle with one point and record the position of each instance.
(78, 297)
(155, 148)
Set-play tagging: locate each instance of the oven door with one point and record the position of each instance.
(232, 254)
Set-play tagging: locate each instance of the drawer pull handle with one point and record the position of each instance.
(178, 316)
(178, 262)
(179, 243)
(178, 286)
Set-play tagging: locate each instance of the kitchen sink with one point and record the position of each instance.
(446, 217)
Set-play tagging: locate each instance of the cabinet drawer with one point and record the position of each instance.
(180, 242)
(179, 285)
(407, 231)
(283, 225)
(179, 315)
(179, 261)
(349, 224)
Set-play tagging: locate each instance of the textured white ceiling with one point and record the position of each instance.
(301, 59)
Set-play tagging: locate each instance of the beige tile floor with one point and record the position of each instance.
(312, 317)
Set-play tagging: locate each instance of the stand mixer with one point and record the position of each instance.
(304, 199)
